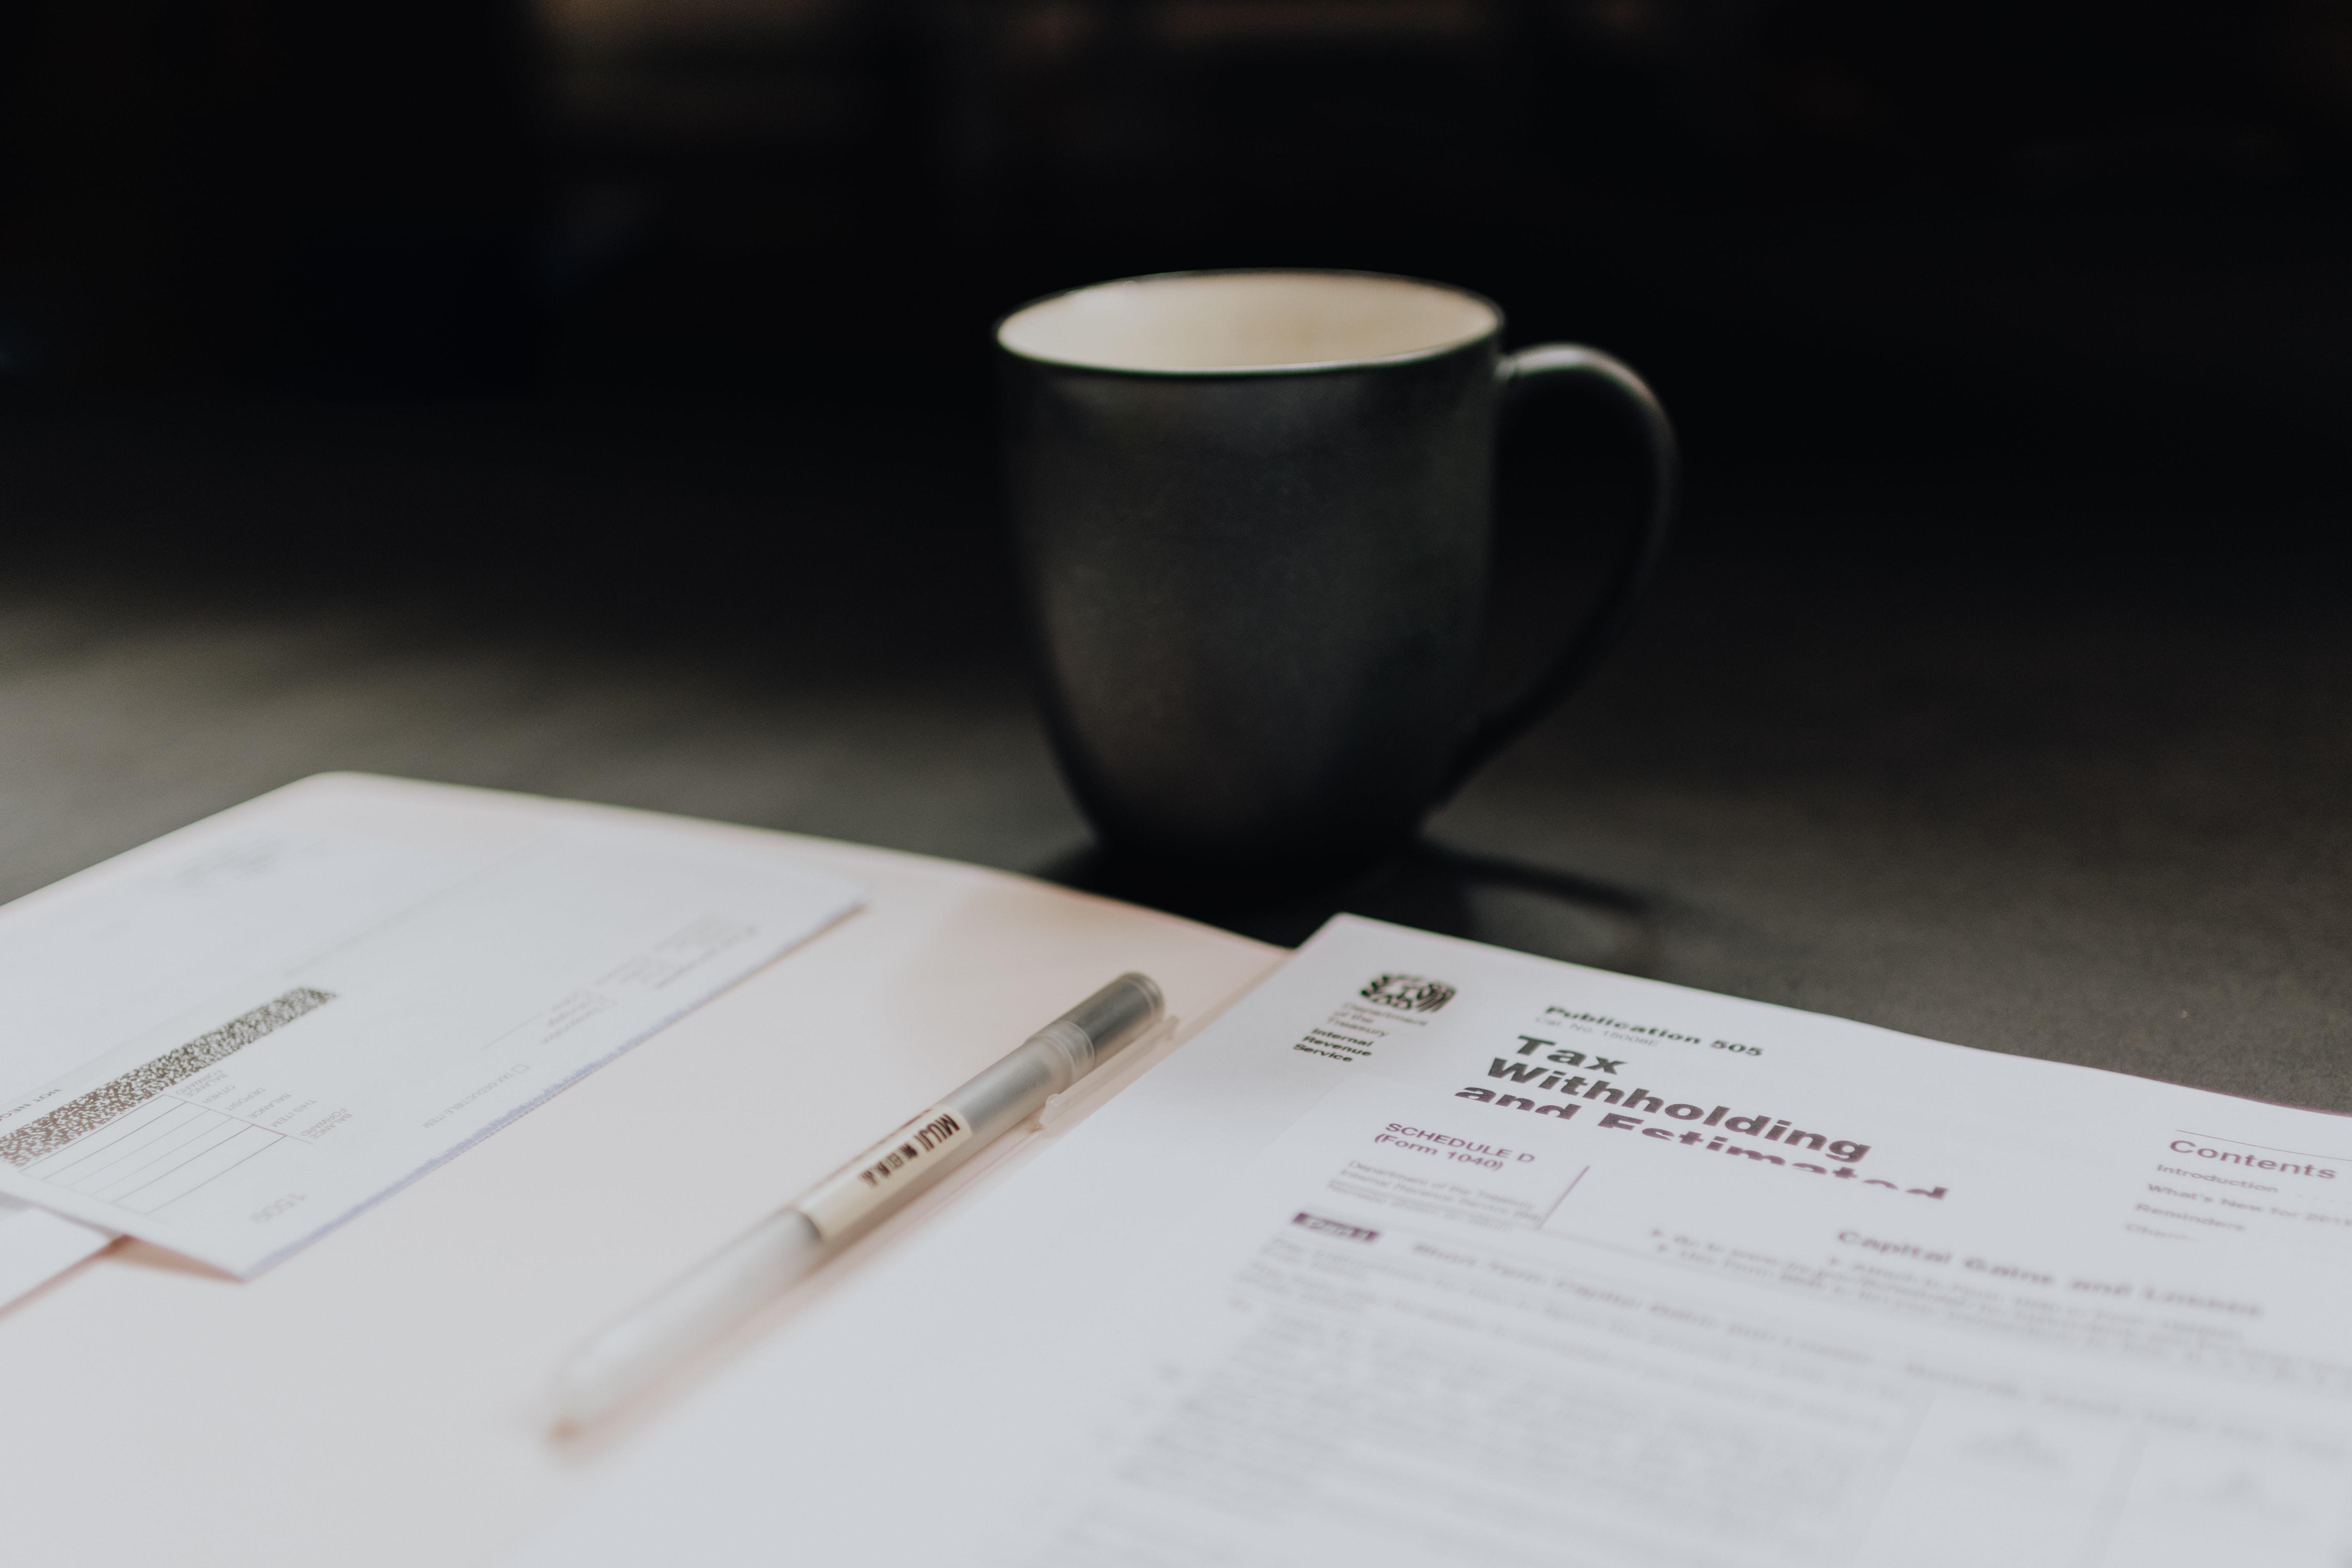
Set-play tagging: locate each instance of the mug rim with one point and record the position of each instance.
(1307, 367)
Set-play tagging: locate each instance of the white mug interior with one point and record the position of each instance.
(1224, 321)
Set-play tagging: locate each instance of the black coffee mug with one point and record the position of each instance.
(1251, 516)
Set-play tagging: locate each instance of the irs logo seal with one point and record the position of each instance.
(1409, 993)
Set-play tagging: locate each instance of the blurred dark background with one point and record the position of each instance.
(593, 398)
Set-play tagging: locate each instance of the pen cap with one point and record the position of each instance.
(1122, 1012)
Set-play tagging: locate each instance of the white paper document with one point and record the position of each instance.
(1427, 1253)
(229, 1040)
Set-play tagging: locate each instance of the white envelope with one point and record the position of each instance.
(232, 1039)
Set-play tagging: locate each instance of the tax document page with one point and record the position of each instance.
(229, 1040)
(1427, 1253)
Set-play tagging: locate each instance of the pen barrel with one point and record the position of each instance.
(783, 1248)
(983, 1107)
(693, 1310)
(1009, 1093)
(1060, 1054)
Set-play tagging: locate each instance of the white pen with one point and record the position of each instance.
(636, 1349)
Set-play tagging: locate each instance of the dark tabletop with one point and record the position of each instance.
(2055, 766)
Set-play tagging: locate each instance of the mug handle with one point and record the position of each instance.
(1614, 612)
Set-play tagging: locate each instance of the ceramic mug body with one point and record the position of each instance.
(1251, 518)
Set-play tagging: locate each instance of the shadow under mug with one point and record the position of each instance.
(1250, 512)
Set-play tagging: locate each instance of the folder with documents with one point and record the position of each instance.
(1419, 1251)
(379, 1393)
